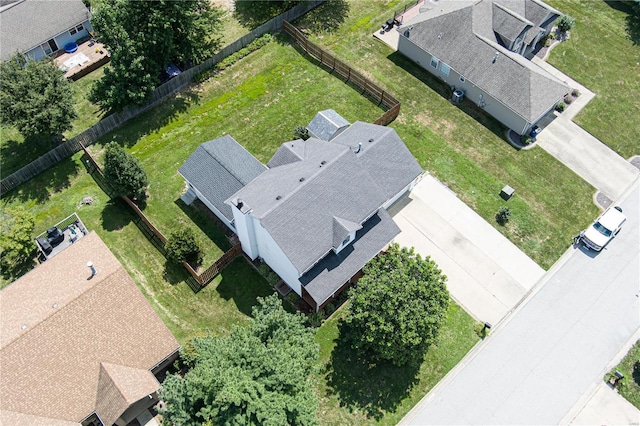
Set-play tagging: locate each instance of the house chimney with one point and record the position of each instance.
(94, 271)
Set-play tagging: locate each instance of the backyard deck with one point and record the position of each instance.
(89, 56)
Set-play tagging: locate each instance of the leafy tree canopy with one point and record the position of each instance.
(256, 375)
(143, 37)
(182, 246)
(35, 97)
(397, 307)
(124, 172)
(16, 245)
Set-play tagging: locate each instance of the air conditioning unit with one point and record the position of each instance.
(458, 96)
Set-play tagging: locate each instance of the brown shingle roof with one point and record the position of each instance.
(51, 369)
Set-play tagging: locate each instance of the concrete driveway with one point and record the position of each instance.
(556, 347)
(577, 149)
(487, 274)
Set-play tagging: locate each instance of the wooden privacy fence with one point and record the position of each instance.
(154, 235)
(111, 122)
(368, 87)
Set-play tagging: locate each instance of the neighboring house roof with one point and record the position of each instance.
(327, 184)
(462, 34)
(326, 124)
(61, 332)
(25, 24)
(218, 169)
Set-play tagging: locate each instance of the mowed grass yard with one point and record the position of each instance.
(462, 146)
(629, 387)
(603, 54)
(258, 101)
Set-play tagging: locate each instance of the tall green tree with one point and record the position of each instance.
(35, 97)
(143, 37)
(397, 307)
(255, 375)
(16, 244)
(124, 172)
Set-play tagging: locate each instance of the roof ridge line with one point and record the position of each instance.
(223, 164)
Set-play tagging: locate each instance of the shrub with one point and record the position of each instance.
(301, 133)
(561, 106)
(525, 139)
(568, 99)
(503, 215)
(566, 23)
(16, 245)
(316, 318)
(182, 246)
(575, 93)
(124, 172)
(267, 273)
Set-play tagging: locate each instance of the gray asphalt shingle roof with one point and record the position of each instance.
(28, 23)
(325, 124)
(219, 168)
(328, 275)
(300, 202)
(461, 35)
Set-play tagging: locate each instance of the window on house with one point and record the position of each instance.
(72, 31)
(444, 69)
(434, 62)
(76, 29)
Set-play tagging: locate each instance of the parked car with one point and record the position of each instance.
(604, 228)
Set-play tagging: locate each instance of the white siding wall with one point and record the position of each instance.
(496, 109)
(244, 230)
(212, 208)
(273, 255)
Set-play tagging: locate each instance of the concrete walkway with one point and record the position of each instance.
(487, 274)
(607, 407)
(589, 158)
(556, 347)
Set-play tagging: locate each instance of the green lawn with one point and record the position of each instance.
(15, 152)
(352, 393)
(603, 54)
(629, 387)
(462, 146)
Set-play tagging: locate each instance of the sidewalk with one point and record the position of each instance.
(487, 274)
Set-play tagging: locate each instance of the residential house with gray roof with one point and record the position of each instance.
(77, 348)
(327, 124)
(38, 28)
(479, 48)
(318, 214)
(217, 170)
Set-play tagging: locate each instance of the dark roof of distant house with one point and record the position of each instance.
(219, 168)
(462, 34)
(57, 327)
(325, 124)
(300, 202)
(328, 275)
(25, 24)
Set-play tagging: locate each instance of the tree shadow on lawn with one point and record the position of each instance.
(444, 90)
(116, 215)
(242, 283)
(209, 223)
(632, 19)
(15, 154)
(374, 389)
(253, 13)
(152, 120)
(40, 187)
(325, 18)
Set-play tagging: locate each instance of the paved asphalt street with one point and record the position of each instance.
(534, 367)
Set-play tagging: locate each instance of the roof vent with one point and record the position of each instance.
(239, 203)
(359, 147)
(301, 179)
(322, 163)
(371, 140)
(55, 305)
(495, 58)
(23, 326)
(440, 35)
(278, 197)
